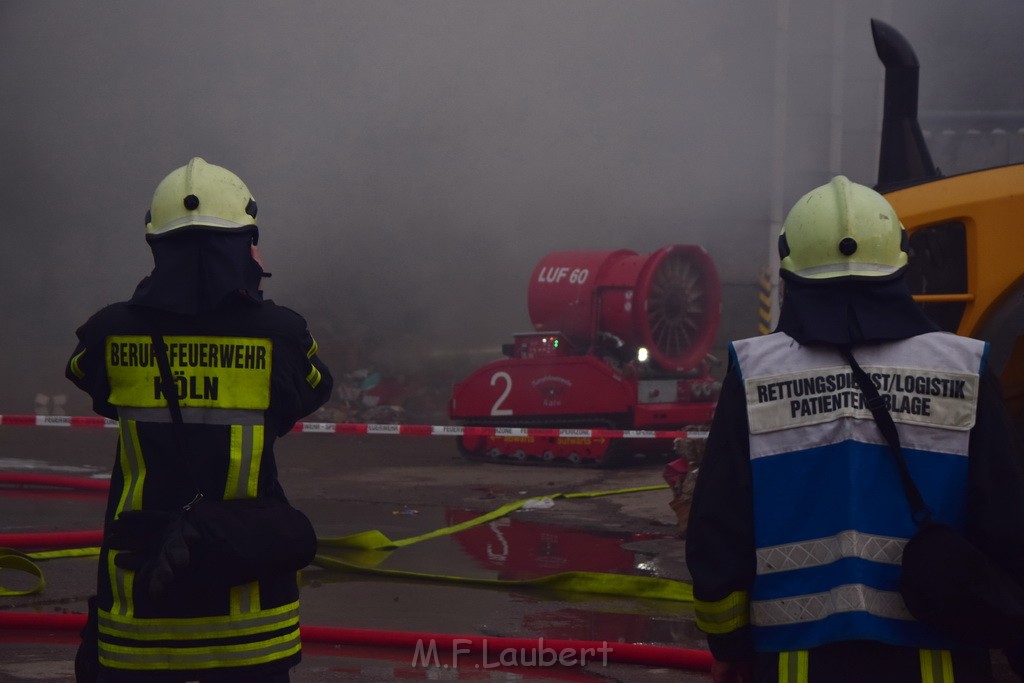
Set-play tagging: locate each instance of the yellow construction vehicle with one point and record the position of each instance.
(966, 231)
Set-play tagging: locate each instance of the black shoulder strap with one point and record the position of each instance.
(170, 392)
(876, 404)
(166, 381)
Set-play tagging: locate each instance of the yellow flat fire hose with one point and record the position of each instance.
(375, 540)
(620, 585)
(367, 548)
(363, 551)
(26, 562)
(18, 561)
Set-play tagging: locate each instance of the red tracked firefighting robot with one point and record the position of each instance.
(621, 343)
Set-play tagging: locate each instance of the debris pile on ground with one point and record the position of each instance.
(681, 476)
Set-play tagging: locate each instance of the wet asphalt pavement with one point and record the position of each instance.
(402, 487)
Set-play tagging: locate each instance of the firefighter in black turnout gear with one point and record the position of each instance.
(246, 370)
(799, 520)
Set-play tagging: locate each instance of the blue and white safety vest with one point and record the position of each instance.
(830, 515)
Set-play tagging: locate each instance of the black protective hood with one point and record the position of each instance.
(198, 271)
(850, 312)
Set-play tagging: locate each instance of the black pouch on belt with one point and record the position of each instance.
(242, 540)
(217, 543)
(949, 583)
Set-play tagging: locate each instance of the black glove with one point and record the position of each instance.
(156, 565)
(139, 531)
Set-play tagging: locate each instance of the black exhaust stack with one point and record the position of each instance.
(904, 158)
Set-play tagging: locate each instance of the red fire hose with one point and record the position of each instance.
(52, 540)
(53, 481)
(62, 539)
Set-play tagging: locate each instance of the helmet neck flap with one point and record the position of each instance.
(851, 312)
(200, 271)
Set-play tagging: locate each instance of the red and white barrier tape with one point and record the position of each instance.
(56, 421)
(388, 429)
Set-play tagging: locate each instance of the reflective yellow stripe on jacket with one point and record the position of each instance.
(246, 460)
(793, 667)
(198, 643)
(74, 366)
(314, 376)
(936, 666)
(725, 615)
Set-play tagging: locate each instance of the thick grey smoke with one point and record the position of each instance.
(413, 160)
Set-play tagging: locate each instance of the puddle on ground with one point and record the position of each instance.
(511, 549)
(515, 549)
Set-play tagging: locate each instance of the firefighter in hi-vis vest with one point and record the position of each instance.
(245, 370)
(799, 518)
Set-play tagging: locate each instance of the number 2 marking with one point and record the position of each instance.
(496, 409)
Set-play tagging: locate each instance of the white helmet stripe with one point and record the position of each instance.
(197, 220)
(848, 267)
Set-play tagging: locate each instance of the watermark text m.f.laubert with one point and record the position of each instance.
(427, 654)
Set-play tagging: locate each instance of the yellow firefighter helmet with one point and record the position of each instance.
(842, 230)
(201, 196)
